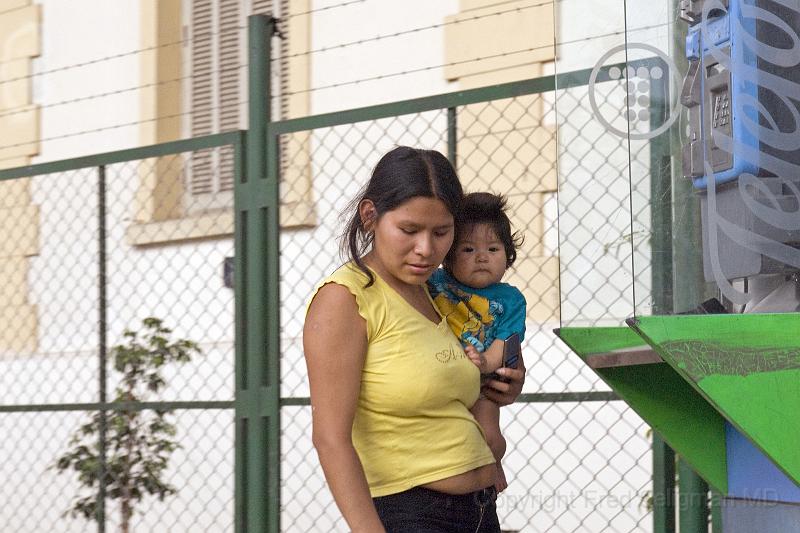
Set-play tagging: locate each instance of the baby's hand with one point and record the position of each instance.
(476, 357)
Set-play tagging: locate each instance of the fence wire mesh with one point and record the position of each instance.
(573, 466)
(95, 251)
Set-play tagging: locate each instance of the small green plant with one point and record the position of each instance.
(139, 442)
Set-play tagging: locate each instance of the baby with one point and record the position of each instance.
(482, 311)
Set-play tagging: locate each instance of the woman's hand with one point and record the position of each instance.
(503, 393)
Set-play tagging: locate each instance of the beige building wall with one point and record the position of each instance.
(159, 215)
(297, 208)
(161, 184)
(19, 141)
(506, 146)
(158, 212)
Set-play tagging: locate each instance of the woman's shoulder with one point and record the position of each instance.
(351, 282)
(349, 275)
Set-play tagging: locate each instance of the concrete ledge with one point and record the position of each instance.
(206, 226)
(211, 225)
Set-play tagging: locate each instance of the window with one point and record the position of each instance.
(191, 197)
(215, 94)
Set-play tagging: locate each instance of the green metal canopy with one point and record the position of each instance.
(672, 407)
(687, 374)
(746, 366)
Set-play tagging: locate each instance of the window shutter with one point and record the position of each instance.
(228, 53)
(217, 84)
(202, 121)
(283, 63)
(262, 7)
(229, 46)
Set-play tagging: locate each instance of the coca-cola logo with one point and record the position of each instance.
(770, 136)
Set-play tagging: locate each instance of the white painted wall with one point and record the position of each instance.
(78, 32)
(366, 20)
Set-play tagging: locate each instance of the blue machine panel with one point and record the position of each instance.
(744, 516)
(752, 476)
(720, 90)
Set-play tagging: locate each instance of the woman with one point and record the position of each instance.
(391, 386)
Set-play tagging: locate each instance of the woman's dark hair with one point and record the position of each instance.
(486, 208)
(401, 174)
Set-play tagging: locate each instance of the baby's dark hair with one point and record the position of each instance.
(486, 208)
(401, 174)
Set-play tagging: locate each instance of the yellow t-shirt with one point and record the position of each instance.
(412, 424)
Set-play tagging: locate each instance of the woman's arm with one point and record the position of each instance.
(335, 345)
(503, 393)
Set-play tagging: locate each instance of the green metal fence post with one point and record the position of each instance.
(660, 202)
(452, 136)
(663, 486)
(688, 292)
(661, 287)
(692, 500)
(270, 401)
(257, 305)
(690, 287)
(102, 343)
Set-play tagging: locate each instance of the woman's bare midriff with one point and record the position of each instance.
(467, 482)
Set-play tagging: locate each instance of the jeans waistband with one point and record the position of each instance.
(481, 497)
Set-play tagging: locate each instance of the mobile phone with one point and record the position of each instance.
(512, 351)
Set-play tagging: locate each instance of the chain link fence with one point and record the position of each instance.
(95, 252)
(107, 244)
(573, 466)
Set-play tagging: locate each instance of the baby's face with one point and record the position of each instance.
(480, 258)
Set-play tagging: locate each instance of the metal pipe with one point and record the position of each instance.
(663, 456)
(692, 500)
(102, 344)
(663, 486)
(452, 136)
(688, 291)
(257, 454)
